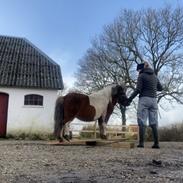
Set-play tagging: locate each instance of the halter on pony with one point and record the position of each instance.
(97, 106)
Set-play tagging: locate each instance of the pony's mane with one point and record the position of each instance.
(106, 91)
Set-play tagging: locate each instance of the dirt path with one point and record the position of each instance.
(35, 162)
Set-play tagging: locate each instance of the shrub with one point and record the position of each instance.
(168, 133)
(171, 133)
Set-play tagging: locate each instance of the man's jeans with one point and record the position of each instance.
(147, 109)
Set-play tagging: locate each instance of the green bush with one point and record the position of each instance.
(168, 133)
(171, 133)
(148, 134)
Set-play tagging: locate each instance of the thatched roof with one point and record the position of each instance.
(23, 65)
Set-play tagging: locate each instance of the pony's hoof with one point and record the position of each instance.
(103, 137)
(60, 140)
(66, 137)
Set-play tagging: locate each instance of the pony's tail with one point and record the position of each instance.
(59, 116)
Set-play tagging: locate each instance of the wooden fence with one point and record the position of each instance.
(113, 131)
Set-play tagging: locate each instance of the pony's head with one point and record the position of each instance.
(119, 92)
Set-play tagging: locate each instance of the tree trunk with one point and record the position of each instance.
(123, 115)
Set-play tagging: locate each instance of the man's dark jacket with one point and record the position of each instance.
(147, 84)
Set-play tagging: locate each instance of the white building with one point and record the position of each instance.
(29, 82)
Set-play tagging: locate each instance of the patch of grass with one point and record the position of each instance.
(30, 136)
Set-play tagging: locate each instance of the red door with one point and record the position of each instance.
(3, 113)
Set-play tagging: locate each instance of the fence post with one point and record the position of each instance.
(124, 128)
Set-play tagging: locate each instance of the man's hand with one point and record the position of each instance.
(128, 101)
(125, 101)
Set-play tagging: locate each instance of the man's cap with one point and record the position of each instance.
(140, 66)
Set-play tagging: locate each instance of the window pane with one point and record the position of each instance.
(33, 100)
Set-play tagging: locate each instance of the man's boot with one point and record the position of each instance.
(155, 136)
(141, 136)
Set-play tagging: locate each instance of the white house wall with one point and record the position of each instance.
(30, 119)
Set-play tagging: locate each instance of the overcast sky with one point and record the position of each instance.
(63, 29)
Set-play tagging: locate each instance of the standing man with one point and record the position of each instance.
(147, 87)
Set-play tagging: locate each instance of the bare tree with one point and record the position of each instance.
(149, 35)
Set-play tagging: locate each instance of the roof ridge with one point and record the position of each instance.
(40, 51)
(11, 36)
(22, 64)
(33, 45)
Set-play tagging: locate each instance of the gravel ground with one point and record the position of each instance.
(37, 162)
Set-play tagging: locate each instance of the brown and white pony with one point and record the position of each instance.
(96, 106)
